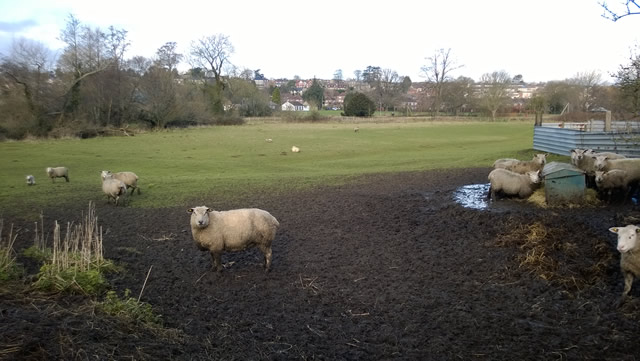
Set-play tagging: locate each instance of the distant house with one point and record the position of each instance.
(294, 106)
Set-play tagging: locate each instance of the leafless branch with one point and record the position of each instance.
(632, 7)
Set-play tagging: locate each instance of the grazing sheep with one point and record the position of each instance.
(612, 180)
(114, 189)
(233, 230)
(512, 183)
(130, 179)
(629, 248)
(524, 166)
(356, 129)
(31, 180)
(295, 149)
(268, 140)
(58, 172)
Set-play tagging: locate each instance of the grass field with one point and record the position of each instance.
(191, 164)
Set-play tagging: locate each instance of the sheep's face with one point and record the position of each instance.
(627, 237)
(599, 176)
(105, 174)
(200, 216)
(600, 161)
(577, 155)
(534, 177)
(540, 158)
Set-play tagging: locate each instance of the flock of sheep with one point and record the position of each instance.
(607, 172)
(239, 229)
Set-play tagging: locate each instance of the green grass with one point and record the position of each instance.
(195, 164)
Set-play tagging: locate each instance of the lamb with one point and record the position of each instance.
(130, 179)
(609, 181)
(521, 166)
(629, 249)
(295, 149)
(31, 180)
(233, 230)
(512, 183)
(58, 172)
(114, 188)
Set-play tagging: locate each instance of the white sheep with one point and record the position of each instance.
(114, 189)
(356, 129)
(58, 172)
(524, 166)
(268, 140)
(630, 165)
(295, 149)
(512, 183)
(584, 159)
(130, 179)
(233, 230)
(31, 180)
(612, 180)
(504, 162)
(629, 249)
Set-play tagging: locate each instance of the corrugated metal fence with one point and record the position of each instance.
(625, 139)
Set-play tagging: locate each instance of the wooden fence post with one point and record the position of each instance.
(607, 121)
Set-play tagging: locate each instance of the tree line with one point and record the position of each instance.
(91, 86)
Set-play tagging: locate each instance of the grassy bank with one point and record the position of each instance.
(182, 165)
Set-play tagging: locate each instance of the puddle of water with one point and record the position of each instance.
(473, 196)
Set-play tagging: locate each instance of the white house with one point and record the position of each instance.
(295, 106)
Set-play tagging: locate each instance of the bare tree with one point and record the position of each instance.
(586, 85)
(495, 91)
(437, 73)
(212, 53)
(168, 57)
(631, 7)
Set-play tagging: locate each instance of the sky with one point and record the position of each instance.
(541, 40)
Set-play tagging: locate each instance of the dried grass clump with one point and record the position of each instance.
(77, 263)
(558, 255)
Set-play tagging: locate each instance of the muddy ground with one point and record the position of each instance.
(390, 267)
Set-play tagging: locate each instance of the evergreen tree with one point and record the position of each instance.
(275, 96)
(315, 94)
(358, 105)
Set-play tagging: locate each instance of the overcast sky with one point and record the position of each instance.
(542, 40)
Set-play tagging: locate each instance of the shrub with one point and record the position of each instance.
(358, 105)
(128, 308)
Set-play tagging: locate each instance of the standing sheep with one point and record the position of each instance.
(58, 172)
(584, 159)
(629, 249)
(130, 179)
(295, 149)
(114, 189)
(233, 230)
(630, 165)
(512, 183)
(610, 181)
(31, 180)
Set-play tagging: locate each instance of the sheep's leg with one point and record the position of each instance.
(66, 178)
(628, 280)
(267, 257)
(217, 262)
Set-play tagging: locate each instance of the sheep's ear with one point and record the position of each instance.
(637, 230)
(190, 210)
(209, 210)
(614, 229)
